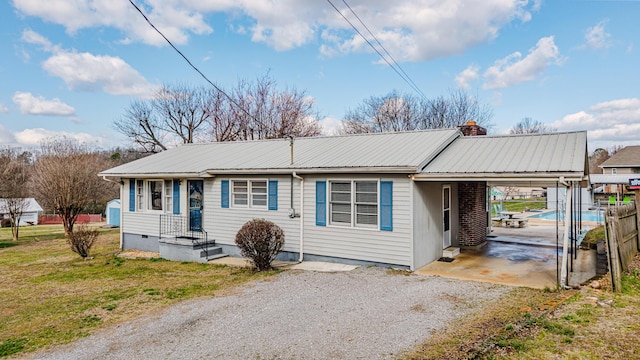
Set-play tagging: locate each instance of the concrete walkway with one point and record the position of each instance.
(305, 265)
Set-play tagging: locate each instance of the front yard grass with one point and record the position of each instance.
(50, 296)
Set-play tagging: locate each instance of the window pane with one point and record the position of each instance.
(240, 186)
(367, 214)
(155, 195)
(367, 186)
(259, 187)
(367, 198)
(341, 186)
(168, 195)
(259, 200)
(340, 218)
(341, 197)
(366, 219)
(240, 199)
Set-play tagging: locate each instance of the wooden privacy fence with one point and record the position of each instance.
(622, 239)
(82, 219)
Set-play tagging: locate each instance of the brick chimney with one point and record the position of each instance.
(471, 128)
(472, 196)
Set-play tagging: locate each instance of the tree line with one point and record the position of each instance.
(62, 175)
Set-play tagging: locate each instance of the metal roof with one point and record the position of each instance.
(627, 157)
(612, 178)
(527, 156)
(31, 205)
(391, 152)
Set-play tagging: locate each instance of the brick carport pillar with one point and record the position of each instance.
(472, 212)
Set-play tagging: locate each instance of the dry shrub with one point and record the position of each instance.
(260, 241)
(82, 239)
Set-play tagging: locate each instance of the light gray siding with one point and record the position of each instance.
(222, 224)
(428, 221)
(390, 247)
(140, 223)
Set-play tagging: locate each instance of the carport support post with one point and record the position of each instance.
(565, 241)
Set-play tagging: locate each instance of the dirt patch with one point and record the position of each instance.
(137, 254)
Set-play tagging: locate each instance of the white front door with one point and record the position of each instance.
(446, 216)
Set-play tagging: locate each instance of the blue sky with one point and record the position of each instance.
(71, 67)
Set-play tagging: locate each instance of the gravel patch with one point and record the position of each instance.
(367, 313)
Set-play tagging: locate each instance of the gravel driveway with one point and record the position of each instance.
(366, 313)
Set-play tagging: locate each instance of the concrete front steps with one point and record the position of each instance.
(189, 249)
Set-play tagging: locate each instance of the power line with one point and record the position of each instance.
(385, 50)
(194, 67)
(405, 78)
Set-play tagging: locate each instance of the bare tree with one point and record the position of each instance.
(530, 126)
(65, 178)
(252, 110)
(404, 112)
(264, 112)
(14, 179)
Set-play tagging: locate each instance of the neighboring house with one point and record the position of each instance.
(622, 165)
(29, 213)
(391, 198)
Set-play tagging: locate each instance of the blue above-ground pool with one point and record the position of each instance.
(587, 215)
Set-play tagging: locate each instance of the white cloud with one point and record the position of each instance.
(331, 126)
(514, 69)
(33, 105)
(596, 36)
(32, 37)
(412, 30)
(609, 123)
(33, 137)
(88, 72)
(466, 76)
(3, 108)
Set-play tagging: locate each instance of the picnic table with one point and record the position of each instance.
(509, 219)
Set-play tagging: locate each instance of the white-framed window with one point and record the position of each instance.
(614, 170)
(259, 193)
(168, 196)
(354, 203)
(139, 195)
(154, 195)
(249, 193)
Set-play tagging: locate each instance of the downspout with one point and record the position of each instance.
(565, 240)
(301, 213)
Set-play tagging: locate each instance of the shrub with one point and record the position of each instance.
(82, 239)
(260, 241)
(5, 223)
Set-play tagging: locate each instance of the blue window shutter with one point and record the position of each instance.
(273, 194)
(321, 203)
(176, 196)
(224, 200)
(386, 205)
(132, 195)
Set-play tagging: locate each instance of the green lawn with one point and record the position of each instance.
(50, 296)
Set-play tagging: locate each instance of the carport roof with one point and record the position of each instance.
(535, 159)
(612, 178)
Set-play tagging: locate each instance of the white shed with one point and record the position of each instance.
(113, 212)
(29, 214)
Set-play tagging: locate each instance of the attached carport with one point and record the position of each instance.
(475, 164)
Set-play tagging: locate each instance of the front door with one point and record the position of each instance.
(446, 216)
(195, 204)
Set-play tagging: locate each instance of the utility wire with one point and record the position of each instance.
(194, 67)
(408, 81)
(415, 86)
